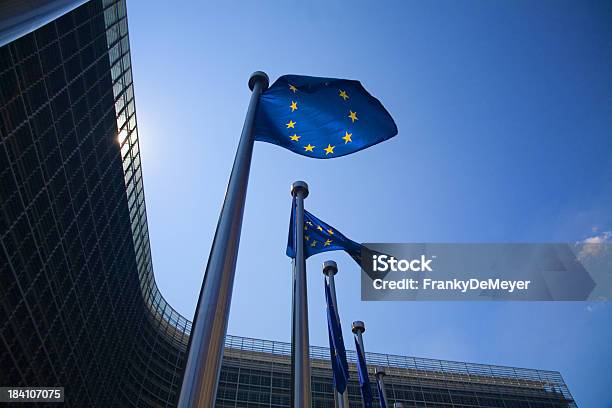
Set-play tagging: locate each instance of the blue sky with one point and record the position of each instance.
(504, 112)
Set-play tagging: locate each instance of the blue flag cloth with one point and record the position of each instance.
(364, 379)
(321, 117)
(337, 352)
(320, 237)
(381, 395)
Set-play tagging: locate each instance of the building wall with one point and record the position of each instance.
(18, 17)
(79, 306)
(78, 302)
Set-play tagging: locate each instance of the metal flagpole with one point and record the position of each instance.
(300, 346)
(358, 328)
(330, 268)
(380, 374)
(199, 387)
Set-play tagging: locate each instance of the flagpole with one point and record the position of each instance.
(205, 349)
(300, 347)
(380, 374)
(358, 328)
(330, 268)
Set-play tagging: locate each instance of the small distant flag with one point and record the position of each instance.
(321, 117)
(364, 379)
(337, 351)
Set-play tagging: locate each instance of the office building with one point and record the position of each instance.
(79, 306)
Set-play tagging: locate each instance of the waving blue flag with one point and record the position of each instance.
(337, 351)
(320, 237)
(364, 379)
(321, 117)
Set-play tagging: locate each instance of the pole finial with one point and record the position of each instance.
(259, 76)
(358, 327)
(299, 186)
(330, 268)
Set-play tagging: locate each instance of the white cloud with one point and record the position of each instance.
(591, 246)
(599, 239)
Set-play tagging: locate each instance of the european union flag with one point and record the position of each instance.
(320, 237)
(321, 117)
(364, 379)
(340, 368)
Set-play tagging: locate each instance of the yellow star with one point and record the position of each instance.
(293, 106)
(329, 241)
(305, 227)
(295, 137)
(314, 243)
(353, 116)
(320, 228)
(331, 231)
(343, 95)
(292, 88)
(309, 223)
(309, 147)
(347, 137)
(329, 149)
(306, 237)
(291, 124)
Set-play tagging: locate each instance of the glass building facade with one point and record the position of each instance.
(257, 373)
(78, 302)
(79, 306)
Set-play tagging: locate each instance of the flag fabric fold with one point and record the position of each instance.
(381, 395)
(337, 351)
(321, 118)
(364, 379)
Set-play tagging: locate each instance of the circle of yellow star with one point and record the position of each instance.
(353, 116)
(293, 106)
(291, 124)
(292, 88)
(309, 147)
(329, 149)
(343, 95)
(295, 137)
(347, 137)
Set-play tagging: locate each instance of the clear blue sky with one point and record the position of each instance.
(504, 112)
